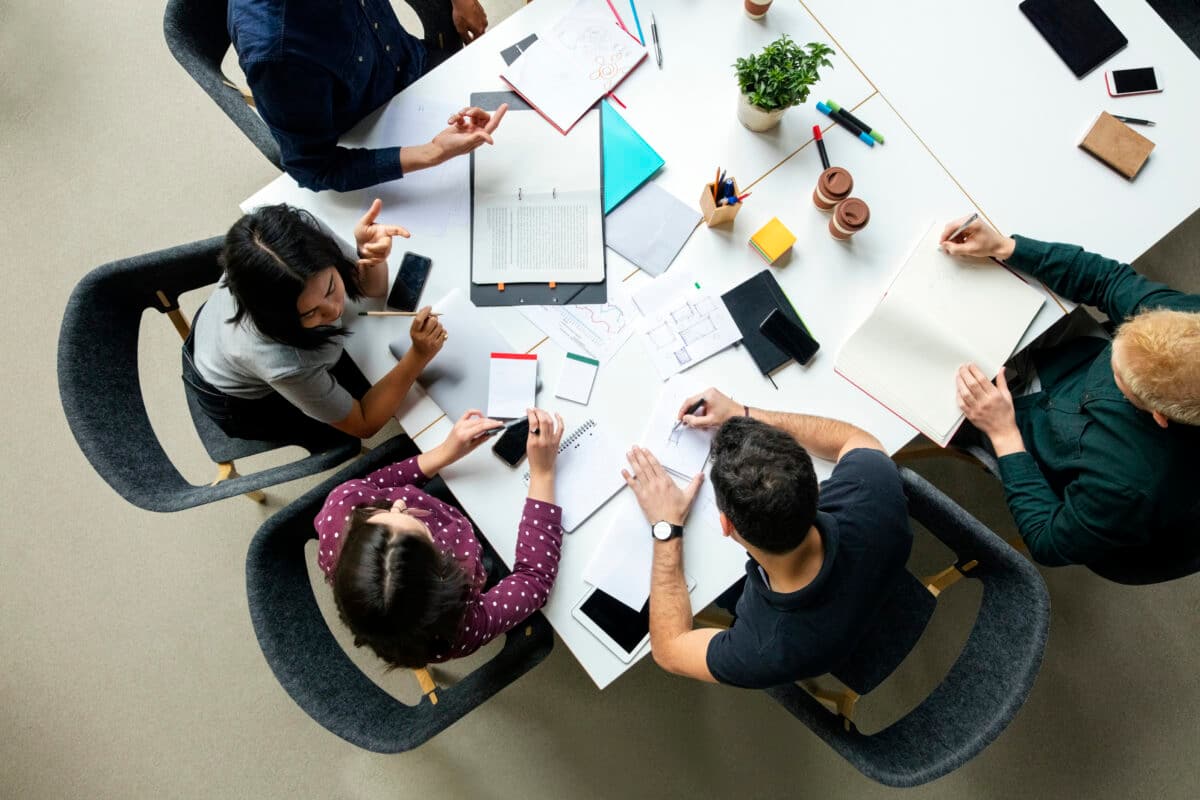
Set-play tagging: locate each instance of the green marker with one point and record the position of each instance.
(874, 134)
(697, 284)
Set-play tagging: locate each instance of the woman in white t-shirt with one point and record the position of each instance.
(265, 358)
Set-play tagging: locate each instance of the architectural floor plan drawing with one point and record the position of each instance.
(687, 332)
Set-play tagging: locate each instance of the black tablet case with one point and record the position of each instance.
(1078, 30)
(532, 294)
(749, 303)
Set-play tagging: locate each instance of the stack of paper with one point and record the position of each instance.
(512, 385)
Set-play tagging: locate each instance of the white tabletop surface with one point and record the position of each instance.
(1003, 113)
(687, 112)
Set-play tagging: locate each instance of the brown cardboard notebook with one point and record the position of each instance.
(1117, 144)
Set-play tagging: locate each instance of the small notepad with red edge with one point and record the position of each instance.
(1117, 144)
(512, 385)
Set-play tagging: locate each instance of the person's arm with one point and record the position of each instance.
(539, 546)
(465, 436)
(829, 439)
(1074, 273)
(295, 98)
(676, 647)
(373, 244)
(1093, 518)
(381, 401)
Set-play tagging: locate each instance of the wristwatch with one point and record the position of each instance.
(665, 531)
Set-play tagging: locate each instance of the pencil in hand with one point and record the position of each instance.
(394, 314)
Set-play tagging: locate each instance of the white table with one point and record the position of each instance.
(832, 284)
(1002, 112)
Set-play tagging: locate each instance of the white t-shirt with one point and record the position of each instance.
(241, 362)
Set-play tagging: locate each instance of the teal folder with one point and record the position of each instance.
(628, 160)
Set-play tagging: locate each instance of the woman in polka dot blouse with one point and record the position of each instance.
(406, 568)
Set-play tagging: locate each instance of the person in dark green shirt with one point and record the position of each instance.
(1104, 457)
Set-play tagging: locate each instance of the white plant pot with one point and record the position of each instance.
(754, 117)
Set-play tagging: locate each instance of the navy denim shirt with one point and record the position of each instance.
(317, 67)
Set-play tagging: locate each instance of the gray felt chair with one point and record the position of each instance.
(313, 668)
(101, 390)
(198, 37)
(987, 684)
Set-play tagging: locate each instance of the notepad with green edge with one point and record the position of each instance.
(772, 240)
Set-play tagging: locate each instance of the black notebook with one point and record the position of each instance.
(749, 303)
(1078, 30)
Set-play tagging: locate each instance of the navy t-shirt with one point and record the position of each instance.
(862, 517)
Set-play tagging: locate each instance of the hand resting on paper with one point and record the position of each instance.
(657, 493)
(989, 407)
(979, 240)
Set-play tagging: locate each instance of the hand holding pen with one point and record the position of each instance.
(973, 237)
(717, 408)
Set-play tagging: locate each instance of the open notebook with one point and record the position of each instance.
(587, 473)
(939, 313)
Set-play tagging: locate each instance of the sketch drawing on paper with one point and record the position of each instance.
(688, 332)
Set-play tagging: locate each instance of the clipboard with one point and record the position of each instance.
(538, 294)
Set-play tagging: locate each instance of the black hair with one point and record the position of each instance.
(268, 256)
(764, 483)
(398, 593)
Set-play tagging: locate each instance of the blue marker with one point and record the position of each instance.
(638, 23)
(840, 119)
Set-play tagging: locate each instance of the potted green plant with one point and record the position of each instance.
(776, 79)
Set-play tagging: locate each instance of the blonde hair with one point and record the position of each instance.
(1159, 362)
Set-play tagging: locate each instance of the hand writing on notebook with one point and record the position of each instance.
(374, 242)
(989, 407)
(716, 409)
(979, 240)
(470, 20)
(657, 493)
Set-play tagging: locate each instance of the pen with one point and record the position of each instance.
(840, 119)
(393, 314)
(638, 23)
(874, 134)
(821, 146)
(654, 36)
(958, 231)
(1134, 121)
(692, 409)
(502, 428)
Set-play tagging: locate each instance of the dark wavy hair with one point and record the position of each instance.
(398, 593)
(268, 255)
(764, 483)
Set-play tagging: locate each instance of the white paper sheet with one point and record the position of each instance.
(539, 206)
(691, 327)
(682, 450)
(597, 330)
(512, 385)
(426, 201)
(650, 228)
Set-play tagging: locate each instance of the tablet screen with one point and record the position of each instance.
(624, 626)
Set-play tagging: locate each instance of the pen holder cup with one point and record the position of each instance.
(714, 214)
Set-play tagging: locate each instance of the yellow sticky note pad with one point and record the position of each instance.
(772, 240)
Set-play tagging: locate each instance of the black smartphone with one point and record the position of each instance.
(406, 291)
(789, 337)
(510, 447)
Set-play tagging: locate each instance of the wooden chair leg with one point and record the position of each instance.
(428, 687)
(839, 701)
(714, 618)
(936, 584)
(181, 324)
(226, 470)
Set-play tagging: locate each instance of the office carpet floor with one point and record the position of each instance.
(128, 667)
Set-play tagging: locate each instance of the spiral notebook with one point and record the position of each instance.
(586, 474)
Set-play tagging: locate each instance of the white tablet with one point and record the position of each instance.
(623, 630)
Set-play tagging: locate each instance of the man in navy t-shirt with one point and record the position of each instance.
(822, 561)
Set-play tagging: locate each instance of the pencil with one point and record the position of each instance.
(393, 314)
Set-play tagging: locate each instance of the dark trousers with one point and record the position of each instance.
(441, 37)
(270, 418)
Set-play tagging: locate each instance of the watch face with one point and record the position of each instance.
(661, 530)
